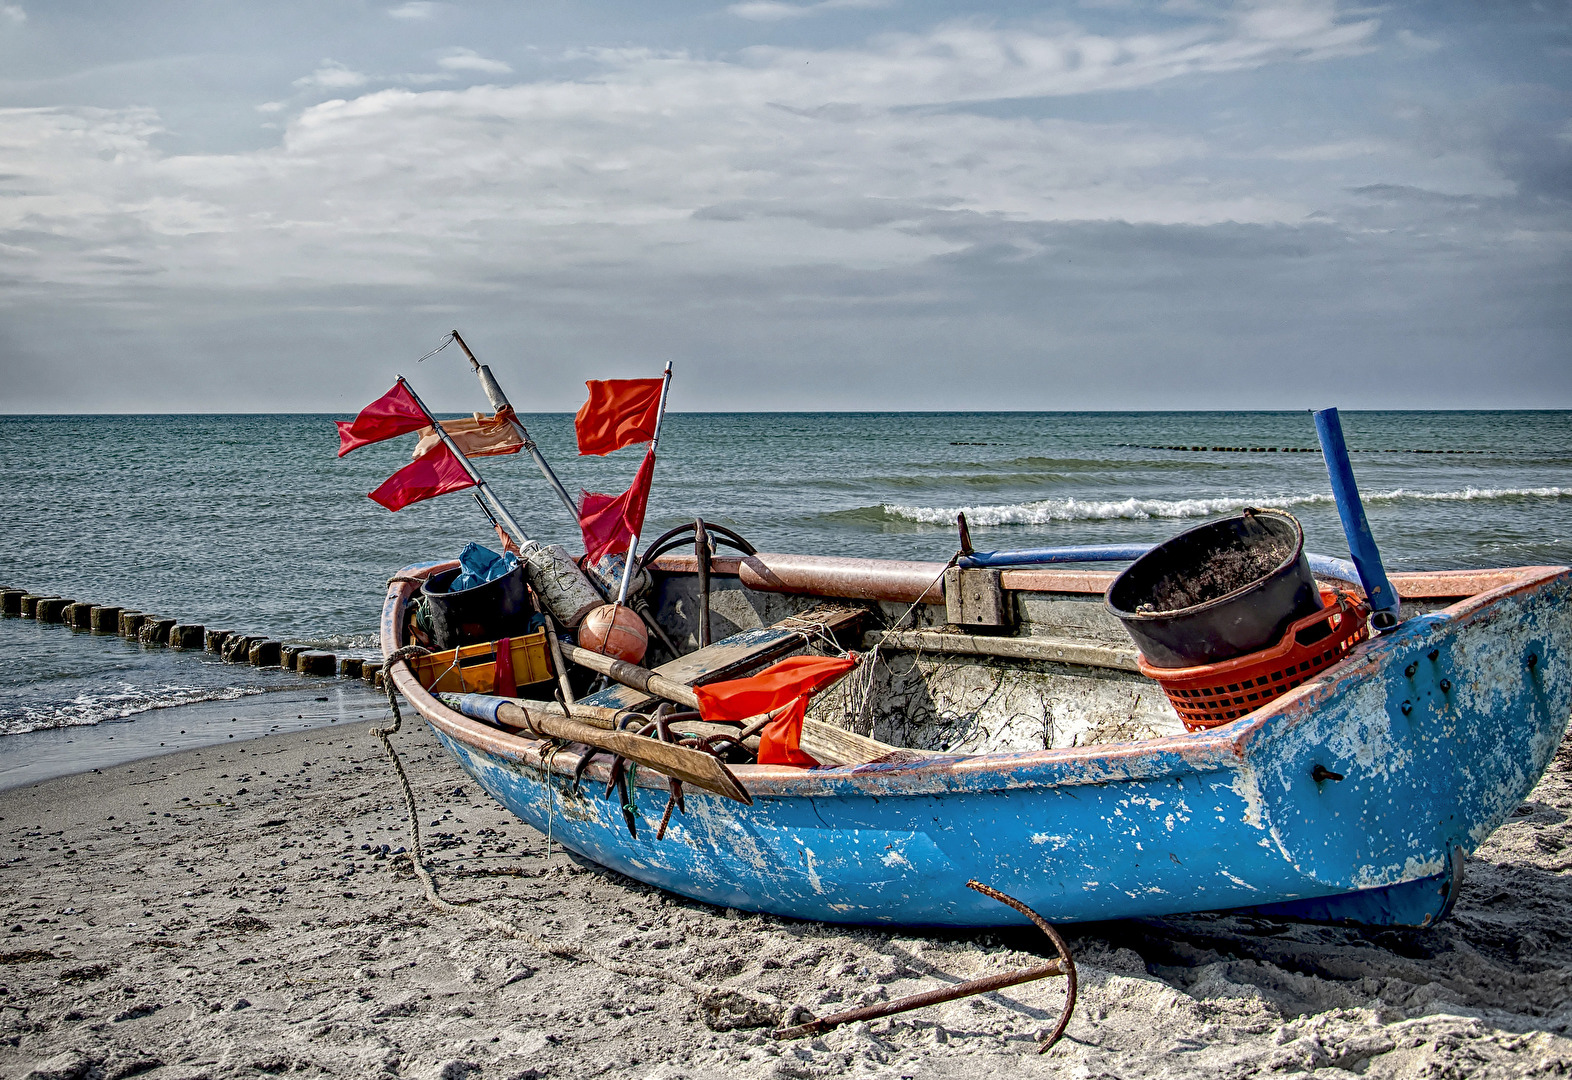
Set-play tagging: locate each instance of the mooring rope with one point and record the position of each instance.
(723, 1008)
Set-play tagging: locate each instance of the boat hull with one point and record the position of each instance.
(1230, 818)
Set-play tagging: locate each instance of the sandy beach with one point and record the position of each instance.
(244, 910)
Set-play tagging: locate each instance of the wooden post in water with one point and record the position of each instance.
(52, 610)
(155, 630)
(316, 662)
(186, 635)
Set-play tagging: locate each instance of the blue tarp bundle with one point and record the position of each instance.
(479, 565)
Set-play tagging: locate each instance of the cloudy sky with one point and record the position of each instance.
(215, 205)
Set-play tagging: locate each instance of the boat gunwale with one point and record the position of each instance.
(1216, 749)
(1410, 584)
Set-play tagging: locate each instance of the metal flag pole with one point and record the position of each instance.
(519, 535)
(499, 401)
(633, 546)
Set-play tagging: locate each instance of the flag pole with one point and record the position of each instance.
(499, 401)
(519, 534)
(633, 545)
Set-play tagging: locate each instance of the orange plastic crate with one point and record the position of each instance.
(472, 669)
(1210, 695)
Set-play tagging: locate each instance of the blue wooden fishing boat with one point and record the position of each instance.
(1036, 758)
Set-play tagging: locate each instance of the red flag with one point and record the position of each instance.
(610, 522)
(434, 473)
(785, 686)
(619, 412)
(391, 415)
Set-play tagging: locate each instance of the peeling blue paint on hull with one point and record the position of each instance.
(1439, 731)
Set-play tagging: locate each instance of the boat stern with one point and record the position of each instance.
(1408, 756)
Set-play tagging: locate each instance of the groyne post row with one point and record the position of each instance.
(257, 650)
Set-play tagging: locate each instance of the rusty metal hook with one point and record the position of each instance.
(1064, 965)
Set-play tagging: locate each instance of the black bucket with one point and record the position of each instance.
(1183, 601)
(499, 608)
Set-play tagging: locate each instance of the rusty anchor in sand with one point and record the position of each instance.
(1063, 964)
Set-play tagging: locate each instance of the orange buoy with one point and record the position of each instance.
(614, 631)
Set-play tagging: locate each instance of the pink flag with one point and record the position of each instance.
(394, 413)
(434, 473)
(610, 523)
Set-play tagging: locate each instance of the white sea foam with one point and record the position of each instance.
(1044, 511)
(108, 708)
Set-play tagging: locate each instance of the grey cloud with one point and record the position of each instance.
(845, 213)
(854, 231)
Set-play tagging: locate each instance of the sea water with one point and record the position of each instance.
(251, 523)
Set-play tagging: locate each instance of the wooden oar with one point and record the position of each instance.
(690, 766)
(825, 742)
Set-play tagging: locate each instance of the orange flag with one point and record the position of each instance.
(480, 436)
(786, 686)
(619, 412)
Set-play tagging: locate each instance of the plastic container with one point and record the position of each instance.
(1210, 695)
(1241, 621)
(472, 669)
(497, 609)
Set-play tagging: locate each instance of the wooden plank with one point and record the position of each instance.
(734, 656)
(830, 745)
(1014, 648)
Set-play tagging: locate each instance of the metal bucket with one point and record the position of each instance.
(1265, 547)
(495, 609)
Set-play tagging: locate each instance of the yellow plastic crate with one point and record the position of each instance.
(472, 669)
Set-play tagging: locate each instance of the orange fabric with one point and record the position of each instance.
(786, 687)
(507, 541)
(619, 412)
(479, 436)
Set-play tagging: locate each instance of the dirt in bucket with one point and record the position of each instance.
(1226, 571)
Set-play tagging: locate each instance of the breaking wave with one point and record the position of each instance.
(1044, 511)
(107, 708)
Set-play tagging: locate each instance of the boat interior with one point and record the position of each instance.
(955, 661)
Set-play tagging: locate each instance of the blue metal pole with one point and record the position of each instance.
(1048, 556)
(1361, 544)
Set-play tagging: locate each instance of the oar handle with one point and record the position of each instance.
(639, 678)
